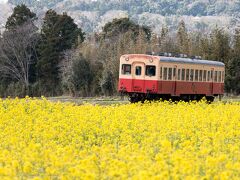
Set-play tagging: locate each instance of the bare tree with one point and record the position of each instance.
(66, 69)
(17, 51)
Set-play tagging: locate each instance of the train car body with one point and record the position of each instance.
(144, 77)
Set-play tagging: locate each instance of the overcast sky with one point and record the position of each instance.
(3, 1)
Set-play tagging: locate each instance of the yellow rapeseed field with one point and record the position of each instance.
(40, 139)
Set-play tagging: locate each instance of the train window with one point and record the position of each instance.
(208, 76)
(174, 72)
(179, 74)
(191, 74)
(211, 76)
(196, 75)
(223, 76)
(165, 73)
(183, 74)
(187, 75)
(169, 73)
(200, 75)
(150, 70)
(215, 76)
(161, 72)
(126, 69)
(138, 70)
(205, 75)
(219, 76)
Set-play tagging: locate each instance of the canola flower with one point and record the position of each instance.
(40, 139)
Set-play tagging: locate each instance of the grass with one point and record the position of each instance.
(91, 100)
(116, 99)
(230, 99)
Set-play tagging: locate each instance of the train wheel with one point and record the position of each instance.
(210, 99)
(134, 98)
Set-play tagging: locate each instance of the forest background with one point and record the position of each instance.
(59, 58)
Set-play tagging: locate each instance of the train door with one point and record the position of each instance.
(138, 77)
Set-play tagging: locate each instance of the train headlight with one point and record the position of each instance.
(150, 60)
(127, 59)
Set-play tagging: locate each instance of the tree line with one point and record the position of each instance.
(58, 58)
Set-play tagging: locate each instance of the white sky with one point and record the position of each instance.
(3, 1)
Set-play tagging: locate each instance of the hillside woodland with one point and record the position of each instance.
(92, 15)
(60, 58)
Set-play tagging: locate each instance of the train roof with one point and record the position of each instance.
(190, 61)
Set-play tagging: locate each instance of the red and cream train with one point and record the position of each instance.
(146, 77)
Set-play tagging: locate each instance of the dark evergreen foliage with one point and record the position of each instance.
(59, 33)
(233, 75)
(120, 26)
(21, 14)
(82, 76)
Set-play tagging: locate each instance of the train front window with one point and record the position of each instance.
(138, 70)
(150, 70)
(126, 69)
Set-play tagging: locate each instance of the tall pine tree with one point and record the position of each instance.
(233, 76)
(21, 15)
(182, 38)
(220, 45)
(59, 33)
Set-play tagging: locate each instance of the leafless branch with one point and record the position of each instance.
(17, 48)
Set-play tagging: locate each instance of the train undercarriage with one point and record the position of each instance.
(141, 97)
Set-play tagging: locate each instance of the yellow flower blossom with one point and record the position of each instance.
(161, 140)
